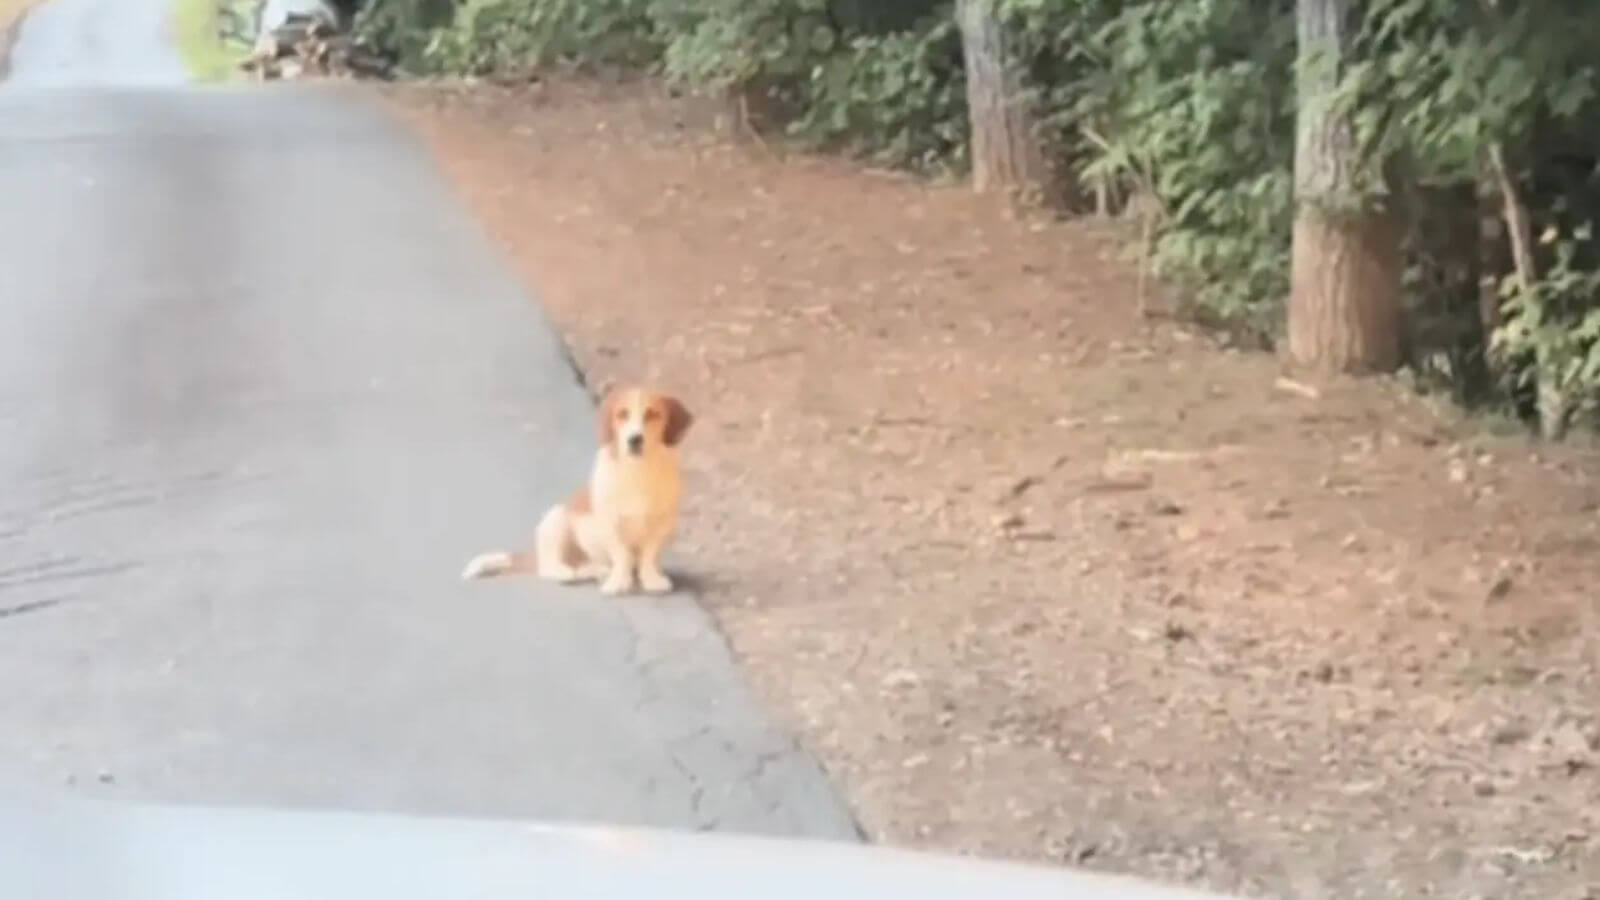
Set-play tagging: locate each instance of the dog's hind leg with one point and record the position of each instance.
(560, 558)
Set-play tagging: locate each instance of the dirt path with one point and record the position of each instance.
(1038, 579)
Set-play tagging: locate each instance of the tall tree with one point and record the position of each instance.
(1345, 270)
(1006, 153)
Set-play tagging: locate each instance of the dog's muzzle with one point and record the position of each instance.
(635, 444)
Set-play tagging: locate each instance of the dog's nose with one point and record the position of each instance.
(635, 443)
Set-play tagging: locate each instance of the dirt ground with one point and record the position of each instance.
(1037, 577)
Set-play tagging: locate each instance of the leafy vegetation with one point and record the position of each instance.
(199, 28)
(1474, 128)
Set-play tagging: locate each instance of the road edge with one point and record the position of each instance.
(688, 587)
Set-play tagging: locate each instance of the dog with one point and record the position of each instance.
(613, 529)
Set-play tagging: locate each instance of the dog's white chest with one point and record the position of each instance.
(639, 500)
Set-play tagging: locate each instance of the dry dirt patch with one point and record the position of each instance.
(1036, 578)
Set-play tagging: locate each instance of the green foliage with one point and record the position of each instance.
(1550, 337)
(1191, 105)
(898, 99)
(488, 37)
(208, 55)
(1445, 85)
(1442, 79)
(727, 44)
(829, 73)
(403, 29)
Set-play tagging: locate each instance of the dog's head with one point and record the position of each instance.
(634, 420)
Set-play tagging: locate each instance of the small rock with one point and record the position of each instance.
(1506, 735)
(1362, 788)
(1008, 521)
(1020, 486)
(1570, 742)
(901, 679)
(1164, 507)
(1500, 588)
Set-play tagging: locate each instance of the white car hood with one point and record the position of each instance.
(76, 849)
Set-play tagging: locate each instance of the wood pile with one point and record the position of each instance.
(310, 46)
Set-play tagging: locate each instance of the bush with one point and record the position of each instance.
(403, 29)
(515, 37)
(897, 99)
(1192, 106)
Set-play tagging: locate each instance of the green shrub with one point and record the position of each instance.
(897, 99)
(1192, 104)
(511, 38)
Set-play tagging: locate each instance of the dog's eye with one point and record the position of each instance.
(650, 415)
(622, 415)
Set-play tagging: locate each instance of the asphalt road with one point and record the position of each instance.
(264, 387)
(119, 43)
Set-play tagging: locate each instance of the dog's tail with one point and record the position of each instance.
(499, 562)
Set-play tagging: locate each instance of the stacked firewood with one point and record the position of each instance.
(309, 45)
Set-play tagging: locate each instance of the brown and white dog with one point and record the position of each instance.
(619, 523)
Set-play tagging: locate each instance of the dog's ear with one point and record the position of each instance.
(608, 418)
(678, 421)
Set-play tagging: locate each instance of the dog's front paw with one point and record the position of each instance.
(616, 583)
(655, 582)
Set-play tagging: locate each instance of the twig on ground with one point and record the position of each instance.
(1291, 386)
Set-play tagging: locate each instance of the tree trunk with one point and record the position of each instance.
(1344, 291)
(1006, 153)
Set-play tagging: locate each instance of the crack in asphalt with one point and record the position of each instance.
(763, 772)
(56, 571)
(7, 612)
